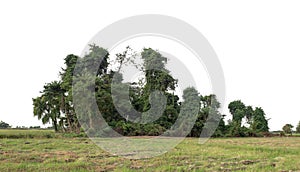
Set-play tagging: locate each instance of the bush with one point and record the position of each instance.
(4, 125)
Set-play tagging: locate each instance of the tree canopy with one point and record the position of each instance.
(150, 106)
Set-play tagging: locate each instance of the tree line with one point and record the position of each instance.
(55, 104)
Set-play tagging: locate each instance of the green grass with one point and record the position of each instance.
(81, 154)
(35, 133)
(26, 133)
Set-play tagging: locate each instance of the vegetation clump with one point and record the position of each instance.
(56, 105)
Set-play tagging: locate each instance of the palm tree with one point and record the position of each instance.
(48, 106)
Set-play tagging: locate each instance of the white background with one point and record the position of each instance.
(257, 43)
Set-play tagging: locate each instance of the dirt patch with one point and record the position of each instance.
(65, 156)
(243, 162)
(248, 162)
(107, 167)
(232, 169)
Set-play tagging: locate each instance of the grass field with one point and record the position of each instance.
(46, 151)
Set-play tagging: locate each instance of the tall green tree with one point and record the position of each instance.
(158, 78)
(92, 81)
(236, 109)
(55, 105)
(69, 120)
(259, 121)
(188, 113)
(47, 107)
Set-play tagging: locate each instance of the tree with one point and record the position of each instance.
(158, 78)
(148, 107)
(92, 80)
(48, 106)
(56, 104)
(4, 125)
(259, 122)
(188, 113)
(69, 121)
(237, 109)
(287, 128)
(256, 119)
(298, 127)
(249, 114)
(209, 113)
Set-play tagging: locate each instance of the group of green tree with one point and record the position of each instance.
(56, 105)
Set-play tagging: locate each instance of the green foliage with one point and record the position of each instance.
(188, 113)
(209, 113)
(55, 103)
(152, 99)
(47, 106)
(288, 129)
(259, 124)
(4, 125)
(298, 127)
(256, 119)
(237, 108)
(235, 130)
